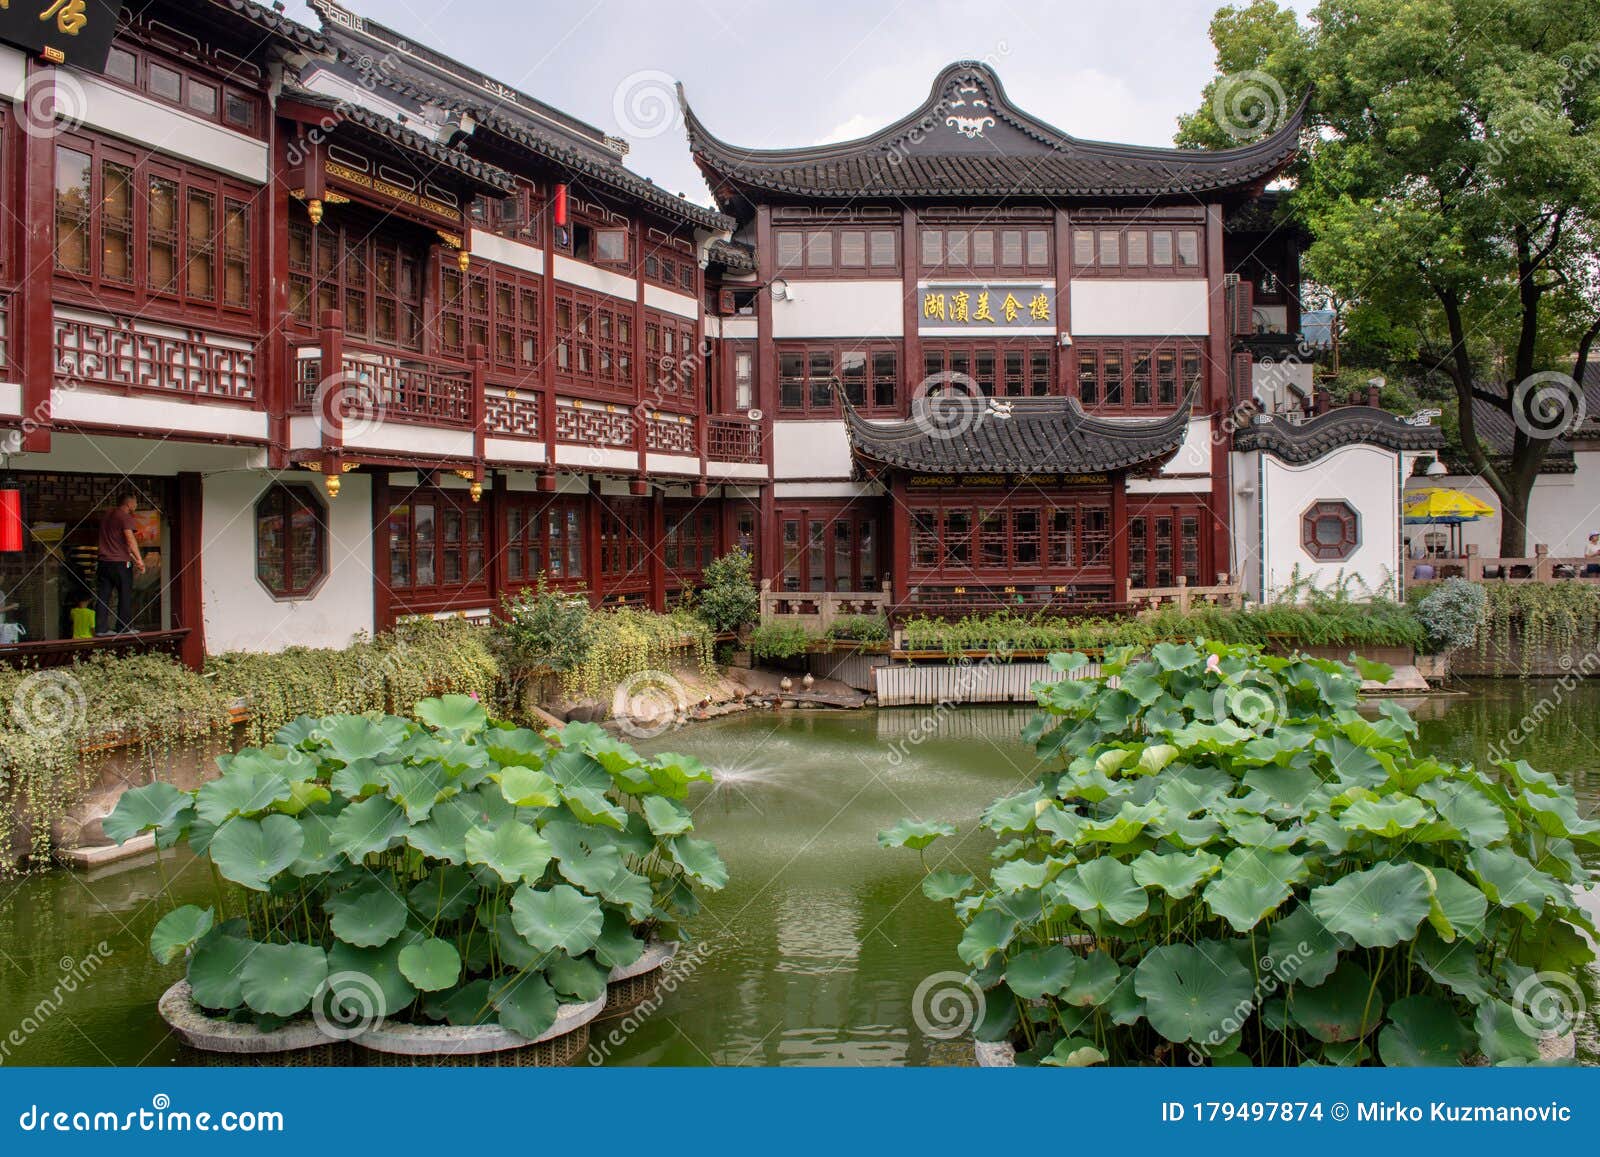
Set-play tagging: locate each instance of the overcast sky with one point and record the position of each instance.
(775, 75)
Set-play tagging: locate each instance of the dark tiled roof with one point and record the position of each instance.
(1497, 430)
(734, 255)
(424, 75)
(968, 140)
(268, 20)
(1014, 436)
(1300, 442)
(488, 177)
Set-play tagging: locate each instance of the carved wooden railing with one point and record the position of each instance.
(671, 434)
(1226, 593)
(735, 440)
(511, 413)
(384, 385)
(117, 352)
(1066, 599)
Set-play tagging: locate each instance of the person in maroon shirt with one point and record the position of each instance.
(119, 557)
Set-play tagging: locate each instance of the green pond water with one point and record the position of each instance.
(813, 952)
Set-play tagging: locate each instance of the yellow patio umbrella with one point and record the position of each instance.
(1446, 507)
(1437, 504)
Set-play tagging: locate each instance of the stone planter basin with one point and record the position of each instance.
(1554, 1049)
(214, 1040)
(392, 1044)
(630, 985)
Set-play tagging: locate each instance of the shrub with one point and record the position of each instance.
(544, 629)
(1451, 614)
(1208, 815)
(780, 640)
(728, 597)
(624, 642)
(443, 869)
(860, 628)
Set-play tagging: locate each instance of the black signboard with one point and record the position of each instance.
(75, 32)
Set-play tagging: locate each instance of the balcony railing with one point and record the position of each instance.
(670, 434)
(374, 385)
(734, 440)
(1541, 568)
(511, 413)
(115, 352)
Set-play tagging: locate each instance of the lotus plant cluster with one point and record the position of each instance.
(1227, 862)
(442, 869)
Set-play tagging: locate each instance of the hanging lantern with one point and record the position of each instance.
(314, 211)
(477, 491)
(561, 205)
(10, 517)
(464, 261)
(332, 482)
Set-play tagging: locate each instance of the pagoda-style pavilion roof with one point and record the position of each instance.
(968, 140)
(982, 435)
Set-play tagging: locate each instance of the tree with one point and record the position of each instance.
(1451, 183)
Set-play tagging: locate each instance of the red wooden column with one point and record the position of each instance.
(188, 599)
(331, 343)
(655, 544)
(1119, 538)
(911, 310)
(593, 515)
(1215, 397)
(35, 313)
(497, 497)
(382, 600)
(766, 371)
(278, 364)
(547, 347)
(1063, 353)
(900, 515)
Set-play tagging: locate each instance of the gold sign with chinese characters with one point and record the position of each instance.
(968, 308)
(350, 178)
(78, 32)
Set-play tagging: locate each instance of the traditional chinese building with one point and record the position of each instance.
(1095, 317)
(369, 334)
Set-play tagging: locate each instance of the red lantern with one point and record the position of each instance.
(561, 205)
(10, 518)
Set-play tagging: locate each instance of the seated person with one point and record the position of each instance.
(1592, 552)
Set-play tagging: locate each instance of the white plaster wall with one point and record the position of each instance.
(1244, 500)
(744, 328)
(504, 251)
(810, 450)
(100, 454)
(91, 407)
(1563, 511)
(1102, 307)
(11, 399)
(669, 302)
(239, 613)
(583, 274)
(862, 308)
(1366, 477)
(137, 118)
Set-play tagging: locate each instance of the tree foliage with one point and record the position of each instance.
(1451, 181)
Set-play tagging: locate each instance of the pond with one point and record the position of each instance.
(812, 954)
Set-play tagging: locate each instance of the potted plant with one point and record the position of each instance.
(1266, 876)
(444, 889)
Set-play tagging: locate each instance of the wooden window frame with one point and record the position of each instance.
(1349, 520)
(474, 584)
(236, 81)
(545, 536)
(817, 522)
(690, 539)
(95, 288)
(1032, 377)
(1186, 353)
(283, 500)
(810, 268)
(963, 239)
(671, 358)
(600, 333)
(1092, 243)
(1157, 554)
(1085, 550)
(875, 351)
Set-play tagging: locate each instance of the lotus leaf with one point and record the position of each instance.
(513, 852)
(179, 931)
(1377, 907)
(373, 825)
(239, 793)
(525, 787)
(214, 969)
(1193, 992)
(250, 852)
(1177, 874)
(1423, 1030)
(368, 915)
(562, 917)
(577, 977)
(914, 834)
(526, 1004)
(281, 979)
(1345, 1007)
(431, 965)
(1104, 885)
(666, 817)
(454, 714)
(143, 809)
(367, 982)
(700, 860)
(1036, 972)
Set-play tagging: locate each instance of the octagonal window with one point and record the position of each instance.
(1330, 531)
(291, 541)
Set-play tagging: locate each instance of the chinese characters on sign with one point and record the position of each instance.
(1020, 307)
(76, 32)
